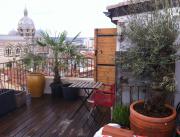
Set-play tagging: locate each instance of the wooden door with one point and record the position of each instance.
(105, 47)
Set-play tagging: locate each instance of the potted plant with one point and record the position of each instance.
(152, 60)
(121, 115)
(60, 48)
(69, 93)
(35, 79)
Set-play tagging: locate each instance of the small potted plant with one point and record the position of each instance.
(60, 47)
(121, 115)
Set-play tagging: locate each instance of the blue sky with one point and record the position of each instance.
(57, 15)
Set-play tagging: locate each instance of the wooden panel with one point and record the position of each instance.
(105, 60)
(108, 31)
(105, 47)
(105, 44)
(107, 39)
(106, 74)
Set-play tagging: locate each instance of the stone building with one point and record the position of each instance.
(16, 44)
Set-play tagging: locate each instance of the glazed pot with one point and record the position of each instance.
(36, 84)
(150, 126)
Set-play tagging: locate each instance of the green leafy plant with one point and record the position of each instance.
(121, 115)
(153, 53)
(9, 64)
(33, 60)
(60, 47)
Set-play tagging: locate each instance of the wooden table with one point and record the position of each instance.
(87, 87)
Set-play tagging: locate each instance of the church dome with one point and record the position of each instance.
(26, 25)
(13, 32)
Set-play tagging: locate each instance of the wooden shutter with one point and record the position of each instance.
(105, 47)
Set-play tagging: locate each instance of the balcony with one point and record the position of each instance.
(48, 116)
(52, 117)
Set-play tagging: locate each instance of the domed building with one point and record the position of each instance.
(13, 33)
(17, 43)
(26, 26)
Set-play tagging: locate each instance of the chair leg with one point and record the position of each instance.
(90, 113)
(111, 113)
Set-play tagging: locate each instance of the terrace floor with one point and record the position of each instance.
(49, 117)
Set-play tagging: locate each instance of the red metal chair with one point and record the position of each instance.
(104, 97)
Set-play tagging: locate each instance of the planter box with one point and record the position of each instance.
(7, 101)
(20, 98)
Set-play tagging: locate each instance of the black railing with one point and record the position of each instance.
(133, 92)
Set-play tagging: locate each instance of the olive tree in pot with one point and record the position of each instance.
(59, 47)
(152, 60)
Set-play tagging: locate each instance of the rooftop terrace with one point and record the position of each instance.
(47, 117)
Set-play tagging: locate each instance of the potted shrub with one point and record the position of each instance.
(35, 80)
(69, 93)
(152, 60)
(60, 48)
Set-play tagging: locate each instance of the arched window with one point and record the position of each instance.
(18, 51)
(8, 52)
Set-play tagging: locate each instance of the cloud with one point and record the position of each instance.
(57, 15)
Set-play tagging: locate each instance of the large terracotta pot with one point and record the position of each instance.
(36, 84)
(152, 127)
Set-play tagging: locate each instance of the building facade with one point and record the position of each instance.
(17, 43)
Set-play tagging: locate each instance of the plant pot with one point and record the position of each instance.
(152, 127)
(36, 84)
(56, 90)
(70, 93)
(20, 98)
(7, 101)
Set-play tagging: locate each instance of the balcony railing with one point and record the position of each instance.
(133, 92)
(69, 67)
(13, 74)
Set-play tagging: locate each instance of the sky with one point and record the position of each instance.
(57, 15)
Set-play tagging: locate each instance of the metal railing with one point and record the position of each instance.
(13, 74)
(133, 92)
(69, 67)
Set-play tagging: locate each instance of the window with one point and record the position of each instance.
(18, 51)
(8, 52)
